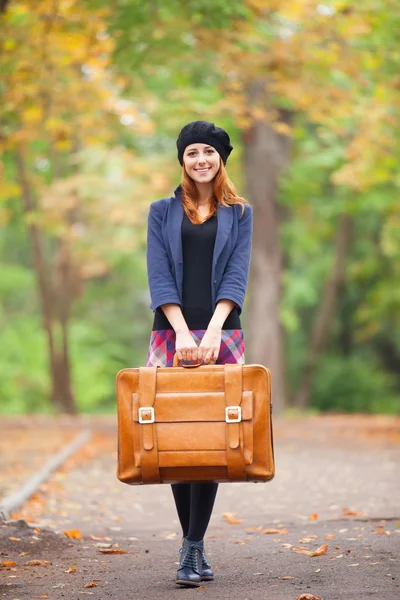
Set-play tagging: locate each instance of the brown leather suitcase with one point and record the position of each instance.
(210, 423)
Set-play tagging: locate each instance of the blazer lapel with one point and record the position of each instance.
(224, 227)
(174, 224)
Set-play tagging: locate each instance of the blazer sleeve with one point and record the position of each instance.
(163, 289)
(234, 280)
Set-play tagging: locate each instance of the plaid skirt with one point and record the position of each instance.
(162, 347)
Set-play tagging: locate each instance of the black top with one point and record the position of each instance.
(197, 249)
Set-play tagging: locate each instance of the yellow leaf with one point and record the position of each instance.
(279, 531)
(282, 128)
(351, 513)
(8, 563)
(38, 563)
(75, 534)
(229, 517)
(319, 551)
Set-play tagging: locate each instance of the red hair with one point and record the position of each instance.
(224, 192)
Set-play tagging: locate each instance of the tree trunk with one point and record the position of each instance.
(3, 6)
(61, 394)
(266, 153)
(325, 314)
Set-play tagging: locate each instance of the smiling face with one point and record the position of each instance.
(201, 162)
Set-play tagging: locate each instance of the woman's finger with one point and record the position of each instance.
(207, 357)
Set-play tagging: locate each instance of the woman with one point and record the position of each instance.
(198, 256)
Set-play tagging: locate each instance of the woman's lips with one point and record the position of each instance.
(203, 170)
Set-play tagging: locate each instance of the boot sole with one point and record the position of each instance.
(207, 578)
(188, 583)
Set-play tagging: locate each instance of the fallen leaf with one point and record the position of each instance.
(313, 517)
(286, 577)
(308, 597)
(282, 531)
(318, 552)
(75, 534)
(99, 538)
(8, 563)
(330, 536)
(102, 545)
(355, 565)
(71, 570)
(38, 563)
(230, 518)
(259, 528)
(351, 513)
(90, 584)
(307, 539)
(14, 539)
(112, 551)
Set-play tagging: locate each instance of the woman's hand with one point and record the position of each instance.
(185, 346)
(210, 344)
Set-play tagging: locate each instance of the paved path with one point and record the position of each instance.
(341, 471)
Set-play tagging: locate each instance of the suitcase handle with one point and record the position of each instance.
(176, 361)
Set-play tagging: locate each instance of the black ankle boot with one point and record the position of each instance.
(190, 564)
(207, 574)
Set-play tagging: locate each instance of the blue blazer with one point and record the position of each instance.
(231, 259)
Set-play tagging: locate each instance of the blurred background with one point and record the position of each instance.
(92, 97)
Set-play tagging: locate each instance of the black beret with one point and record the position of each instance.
(203, 132)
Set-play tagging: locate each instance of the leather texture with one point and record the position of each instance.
(209, 423)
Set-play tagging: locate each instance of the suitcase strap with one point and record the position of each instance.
(148, 436)
(233, 398)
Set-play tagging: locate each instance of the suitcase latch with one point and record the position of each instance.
(146, 414)
(233, 414)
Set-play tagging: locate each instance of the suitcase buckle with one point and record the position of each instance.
(232, 419)
(143, 418)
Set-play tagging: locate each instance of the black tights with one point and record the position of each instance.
(194, 503)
